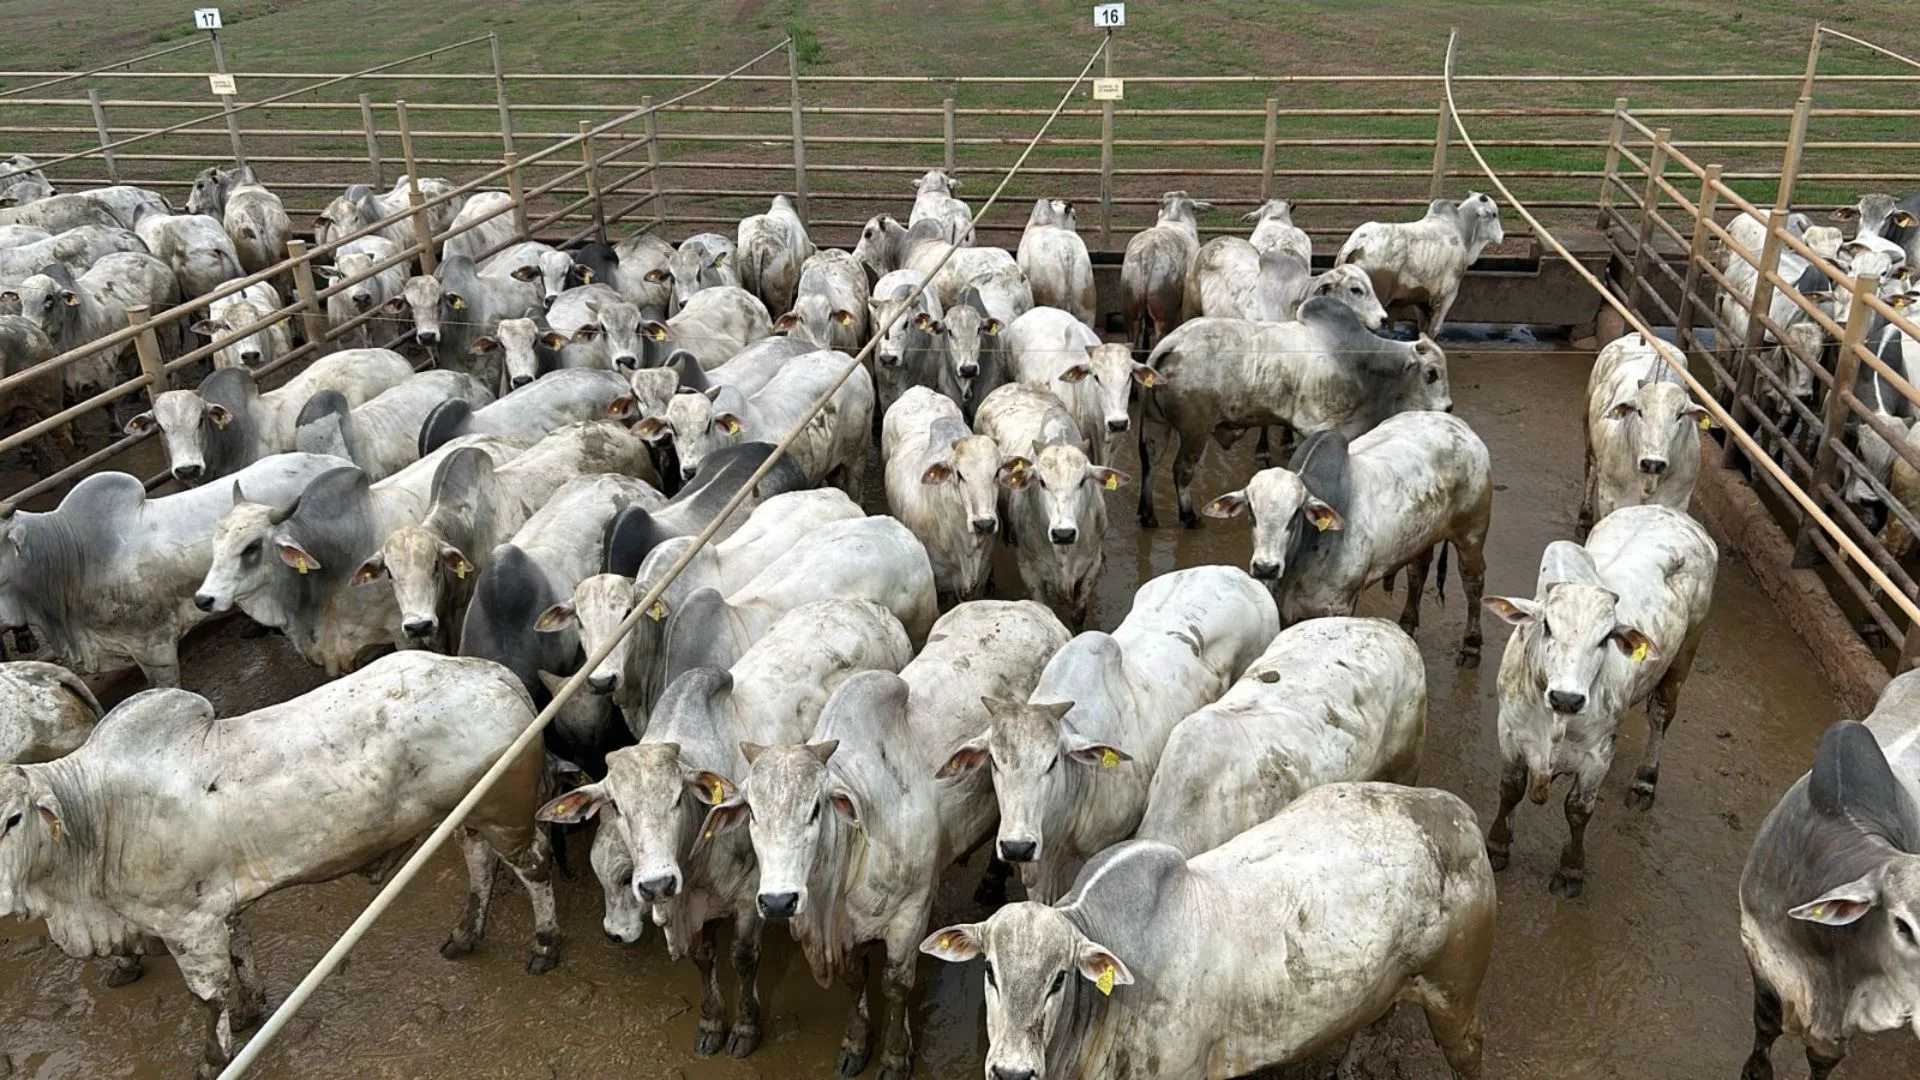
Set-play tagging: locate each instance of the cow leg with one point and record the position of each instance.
(856, 1046)
(1437, 312)
(1417, 570)
(746, 969)
(1513, 786)
(1363, 1043)
(1583, 521)
(1570, 877)
(533, 865)
(1185, 464)
(1473, 582)
(712, 1033)
(1263, 451)
(1154, 437)
(896, 983)
(161, 665)
(1821, 1063)
(248, 992)
(473, 921)
(125, 970)
(1766, 1029)
(207, 969)
(1661, 706)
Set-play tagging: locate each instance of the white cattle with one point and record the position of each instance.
(1643, 438)
(1232, 279)
(1274, 230)
(77, 250)
(968, 264)
(594, 327)
(75, 312)
(642, 273)
(655, 794)
(1051, 349)
(852, 830)
(830, 304)
(1071, 765)
(1612, 624)
(832, 446)
(771, 248)
(543, 270)
(1213, 378)
(240, 310)
(105, 577)
(228, 423)
(387, 753)
(456, 314)
(530, 412)
(706, 261)
(940, 483)
(1196, 973)
(1423, 262)
(254, 217)
(1331, 700)
(484, 225)
(909, 350)
(714, 324)
(196, 247)
(382, 434)
(935, 202)
(1345, 516)
(46, 712)
(25, 181)
(1057, 519)
(361, 206)
(1153, 273)
(363, 289)
(1055, 260)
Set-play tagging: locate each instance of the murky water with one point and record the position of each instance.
(1642, 977)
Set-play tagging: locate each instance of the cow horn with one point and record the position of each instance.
(275, 517)
(6, 509)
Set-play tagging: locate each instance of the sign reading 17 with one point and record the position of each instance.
(1108, 16)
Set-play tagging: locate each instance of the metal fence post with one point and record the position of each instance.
(500, 92)
(1702, 214)
(312, 320)
(147, 345)
(594, 195)
(1266, 149)
(422, 221)
(1656, 165)
(1615, 133)
(1796, 140)
(100, 125)
(1442, 134)
(1762, 303)
(1106, 155)
(373, 141)
(517, 193)
(947, 129)
(1826, 466)
(653, 163)
(226, 100)
(799, 134)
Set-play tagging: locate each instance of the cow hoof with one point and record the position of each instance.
(708, 1041)
(743, 1042)
(853, 1061)
(896, 1070)
(539, 963)
(1189, 519)
(1567, 884)
(1759, 1067)
(455, 948)
(1469, 657)
(124, 970)
(1149, 520)
(1497, 857)
(1409, 625)
(1640, 795)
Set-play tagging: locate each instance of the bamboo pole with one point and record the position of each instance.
(1702, 214)
(799, 134)
(1610, 172)
(147, 346)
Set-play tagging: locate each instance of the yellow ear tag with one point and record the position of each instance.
(658, 612)
(1322, 523)
(299, 566)
(54, 827)
(709, 834)
(719, 793)
(1112, 482)
(1639, 653)
(1147, 380)
(1818, 911)
(659, 335)
(1706, 423)
(1108, 759)
(1104, 984)
(460, 571)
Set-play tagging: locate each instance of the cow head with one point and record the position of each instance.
(622, 917)
(45, 302)
(936, 182)
(182, 417)
(1279, 210)
(210, 190)
(1039, 768)
(703, 262)
(790, 797)
(596, 609)
(1179, 209)
(31, 819)
(1892, 890)
(251, 544)
(968, 332)
(557, 274)
(1067, 487)
(1424, 383)
(1037, 961)
(966, 468)
(1351, 286)
(1877, 215)
(815, 320)
(881, 245)
(249, 350)
(1281, 509)
(703, 424)
(414, 560)
(1656, 420)
(620, 329)
(519, 343)
(421, 297)
(1112, 371)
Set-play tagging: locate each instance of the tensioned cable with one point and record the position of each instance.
(418, 860)
(102, 70)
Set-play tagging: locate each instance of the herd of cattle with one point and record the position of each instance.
(1210, 808)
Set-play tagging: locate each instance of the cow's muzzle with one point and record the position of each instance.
(780, 905)
(420, 628)
(1566, 702)
(1653, 466)
(1017, 851)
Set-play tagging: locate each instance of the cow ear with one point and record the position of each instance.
(1903, 219)
(656, 331)
(1101, 968)
(955, 944)
(141, 424)
(397, 305)
(297, 557)
(751, 751)
(1846, 213)
(712, 788)
(482, 344)
(587, 333)
(584, 273)
(557, 617)
(1325, 518)
(1622, 410)
(786, 323)
(1698, 414)
(652, 429)
(937, 473)
(1075, 373)
(69, 298)
(205, 328)
(1634, 644)
(1512, 610)
(622, 408)
(1108, 479)
(727, 422)
(455, 560)
(1097, 754)
(575, 806)
(1844, 905)
(845, 318)
(554, 339)
(219, 415)
(655, 276)
(719, 260)
(923, 321)
(1232, 504)
(849, 810)
(723, 818)
(1015, 472)
(1147, 376)
(525, 272)
(456, 301)
(370, 571)
(330, 273)
(968, 759)
(51, 812)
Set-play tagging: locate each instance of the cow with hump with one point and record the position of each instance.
(1830, 898)
(1611, 625)
(388, 751)
(1643, 441)
(1291, 936)
(852, 828)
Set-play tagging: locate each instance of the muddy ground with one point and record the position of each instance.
(1641, 978)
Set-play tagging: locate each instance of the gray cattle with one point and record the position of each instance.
(106, 577)
(1071, 765)
(458, 306)
(1828, 898)
(1232, 279)
(1057, 520)
(1274, 230)
(25, 181)
(241, 310)
(473, 506)
(46, 712)
(13, 236)
(228, 423)
(290, 563)
(831, 447)
(975, 361)
(363, 289)
(1153, 273)
(885, 245)
(76, 249)
(771, 248)
(1612, 624)
(58, 213)
(830, 303)
(1889, 218)
(382, 434)
(704, 261)
(909, 351)
(1423, 262)
(713, 325)
(1330, 700)
(195, 246)
(1157, 967)
(1055, 260)
(75, 312)
(1344, 516)
(934, 201)
(1050, 349)
(529, 412)
(940, 483)
(541, 269)
(24, 346)
(126, 203)
(1643, 432)
(483, 225)
(254, 217)
(852, 830)
(361, 206)
(1215, 377)
(656, 793)
(387, 752)
(644, 275)
(521, 350)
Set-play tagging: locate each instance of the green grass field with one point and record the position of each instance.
(278, 39)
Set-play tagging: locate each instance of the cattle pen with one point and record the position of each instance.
(1621, 190)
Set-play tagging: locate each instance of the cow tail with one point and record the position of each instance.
(1440, 584)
